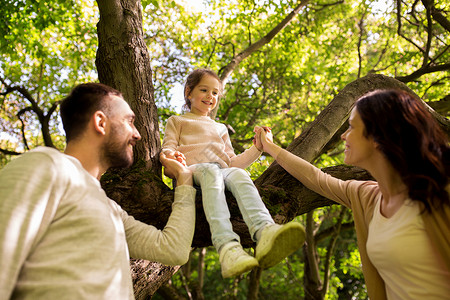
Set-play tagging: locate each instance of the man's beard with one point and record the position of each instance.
(115, 152)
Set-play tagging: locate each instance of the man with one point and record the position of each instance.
(61, 237)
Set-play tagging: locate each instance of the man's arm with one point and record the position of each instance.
(27, 204)
(172, 245)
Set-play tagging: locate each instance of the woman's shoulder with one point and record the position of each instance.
(366, 191)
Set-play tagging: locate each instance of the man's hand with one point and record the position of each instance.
(176, 170)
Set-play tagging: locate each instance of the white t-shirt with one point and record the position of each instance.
(402, 253)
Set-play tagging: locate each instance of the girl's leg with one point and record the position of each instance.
(209, 177)
(274, 242)
(254, 212)
(233, 259)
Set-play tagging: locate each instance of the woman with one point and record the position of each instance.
(402, 219)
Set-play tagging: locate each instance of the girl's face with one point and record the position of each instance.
(204, 95)
(359, 149)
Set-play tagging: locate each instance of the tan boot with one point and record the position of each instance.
(277, 242)
(235, 261)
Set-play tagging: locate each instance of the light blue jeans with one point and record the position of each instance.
(213, 180)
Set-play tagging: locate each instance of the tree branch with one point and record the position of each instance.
(330, 249)
(263, 41)
(422, 71)
(399, 27)
(42, 117)
(361, 33)
(9, 152)
(426, 55)
(436, 14)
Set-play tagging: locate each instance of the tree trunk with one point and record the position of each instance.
(253, 287)
(123, 62)
(145, 272)
(311, 278)
(201, 274)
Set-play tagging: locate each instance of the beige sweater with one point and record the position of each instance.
(61, 237)
(203, 140)
(361, 197)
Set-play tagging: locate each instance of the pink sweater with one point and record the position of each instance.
(201, 140)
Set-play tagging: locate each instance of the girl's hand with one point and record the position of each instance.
(257, 141)
(176, 170)
(176, 155)
(180, 158)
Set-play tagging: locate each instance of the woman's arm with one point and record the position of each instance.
(310, 176)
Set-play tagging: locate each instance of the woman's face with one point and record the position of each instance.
(359, 149)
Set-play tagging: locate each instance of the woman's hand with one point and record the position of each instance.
(257, 141)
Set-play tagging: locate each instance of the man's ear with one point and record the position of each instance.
(100, 120)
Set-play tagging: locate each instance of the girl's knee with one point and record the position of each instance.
(238, 173)
(207, 172)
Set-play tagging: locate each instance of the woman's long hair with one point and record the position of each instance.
(412, 141)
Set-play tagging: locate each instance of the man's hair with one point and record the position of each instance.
(79, 106)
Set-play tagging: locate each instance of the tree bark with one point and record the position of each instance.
(144, 272)
(253, 287)
(123, 62)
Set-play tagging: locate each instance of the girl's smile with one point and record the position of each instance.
(204, 96)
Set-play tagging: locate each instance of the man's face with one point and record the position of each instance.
(122, 135)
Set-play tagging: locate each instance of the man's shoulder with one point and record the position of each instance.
(48, 157)
(48, 153)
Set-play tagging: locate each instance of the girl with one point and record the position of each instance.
(205, 146)
(402, 220)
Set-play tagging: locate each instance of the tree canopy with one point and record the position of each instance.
(293, 65)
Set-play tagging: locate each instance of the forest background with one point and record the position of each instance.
(296, 66)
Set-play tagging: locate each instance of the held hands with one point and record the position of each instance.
(177, 155)
(175, 169)
(263, 134)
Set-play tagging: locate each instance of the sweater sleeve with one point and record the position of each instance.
(246, 158)
(242, 160)
(171, 135)
(316, 180)
(29, 194)
(172, 245)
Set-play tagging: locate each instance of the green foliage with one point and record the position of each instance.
(49, 46)
(46, 47)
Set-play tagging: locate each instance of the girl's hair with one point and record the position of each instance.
(412, 141)
(193, 80)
